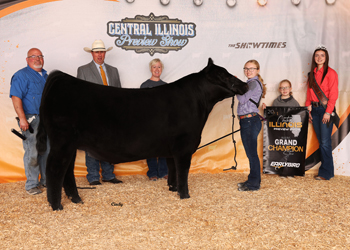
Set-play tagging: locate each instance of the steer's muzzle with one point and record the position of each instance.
(239, 87)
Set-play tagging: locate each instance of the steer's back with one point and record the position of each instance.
(120, 125)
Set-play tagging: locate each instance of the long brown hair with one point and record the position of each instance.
(311, 79)
(260, 78)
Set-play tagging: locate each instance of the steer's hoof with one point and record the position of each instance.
(77, 200)
(172, 188)
(184, 196)
(57, 208)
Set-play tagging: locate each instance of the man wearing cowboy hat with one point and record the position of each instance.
(100, 73)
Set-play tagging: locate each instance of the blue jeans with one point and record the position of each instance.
(34, 164)
(323, 133)
(93, 169)
(157, 168)
(250, 129)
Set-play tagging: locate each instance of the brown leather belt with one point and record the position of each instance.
(247, 115)
(316, 104)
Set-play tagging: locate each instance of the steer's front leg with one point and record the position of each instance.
(172, 183)
(182, 165)
(69, 184)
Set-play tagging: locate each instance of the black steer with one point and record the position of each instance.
(123, 125)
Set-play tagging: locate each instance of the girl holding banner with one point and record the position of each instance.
(250, 123)
(322, 94)
(286, 99)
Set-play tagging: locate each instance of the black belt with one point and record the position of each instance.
(316, 104)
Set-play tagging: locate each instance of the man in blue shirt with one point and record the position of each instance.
(27, 86)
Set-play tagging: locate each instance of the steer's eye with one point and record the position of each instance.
(224, 77)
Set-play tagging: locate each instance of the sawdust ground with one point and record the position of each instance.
(299, 213)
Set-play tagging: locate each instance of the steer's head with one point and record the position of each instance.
(220, 76)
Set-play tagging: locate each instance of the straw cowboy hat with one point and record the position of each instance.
(98, 45)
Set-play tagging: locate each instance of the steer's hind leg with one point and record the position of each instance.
(183, 164)
(54, 180)
(172, 183)
(56, 168)
(69, 183)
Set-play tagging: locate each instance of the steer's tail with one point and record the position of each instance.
(41, 139)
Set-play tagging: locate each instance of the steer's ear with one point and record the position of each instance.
(210, 61)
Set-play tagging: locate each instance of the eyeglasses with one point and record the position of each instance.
(249, 69)
(34, 57)
(284, 88)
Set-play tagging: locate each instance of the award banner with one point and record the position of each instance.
(285, 137)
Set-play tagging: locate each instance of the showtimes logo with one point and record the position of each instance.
(259, 45)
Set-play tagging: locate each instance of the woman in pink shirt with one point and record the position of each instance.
(327, 79)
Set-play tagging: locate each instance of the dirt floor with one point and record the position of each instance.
(299, 213)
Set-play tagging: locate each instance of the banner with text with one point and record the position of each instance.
(285, 134)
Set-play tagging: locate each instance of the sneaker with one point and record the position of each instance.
(241, 184)
(94, 183)
(114, 181)
(154, 178)
(245, 188)
(34, 191)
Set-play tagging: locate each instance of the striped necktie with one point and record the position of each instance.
(103, 74)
